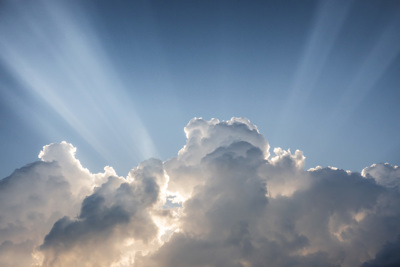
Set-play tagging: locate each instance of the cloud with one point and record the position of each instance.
(222, 201)
(387, 256)
(384, 174)
(34, 197)
(204, 137)
(116, 211)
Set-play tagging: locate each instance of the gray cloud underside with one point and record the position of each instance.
(230, 203)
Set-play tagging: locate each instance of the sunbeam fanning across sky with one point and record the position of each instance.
(55, 57)
(292, 147)
(329, 18)
(120, 79)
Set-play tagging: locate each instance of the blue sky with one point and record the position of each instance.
(124, 81)
(120, 79)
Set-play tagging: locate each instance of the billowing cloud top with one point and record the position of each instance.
(222, 201)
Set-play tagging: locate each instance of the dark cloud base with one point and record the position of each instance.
(222, 201)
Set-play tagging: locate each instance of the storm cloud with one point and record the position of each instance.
(224, 200)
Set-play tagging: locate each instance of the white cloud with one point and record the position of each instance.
(204, 137)
(35, 196)
(239, 207)
(384, 174)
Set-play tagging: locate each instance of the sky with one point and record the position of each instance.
(121, 79)
(132, 132)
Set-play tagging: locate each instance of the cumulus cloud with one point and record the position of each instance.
(222, 201)
(204, 137)
(115, 212)
(34, 197)
(384, 174)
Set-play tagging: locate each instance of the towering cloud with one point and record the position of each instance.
(222, 201)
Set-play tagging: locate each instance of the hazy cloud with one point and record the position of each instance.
(222, 201)
(387, 256)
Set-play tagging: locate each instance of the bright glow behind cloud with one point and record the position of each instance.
(223, 200)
